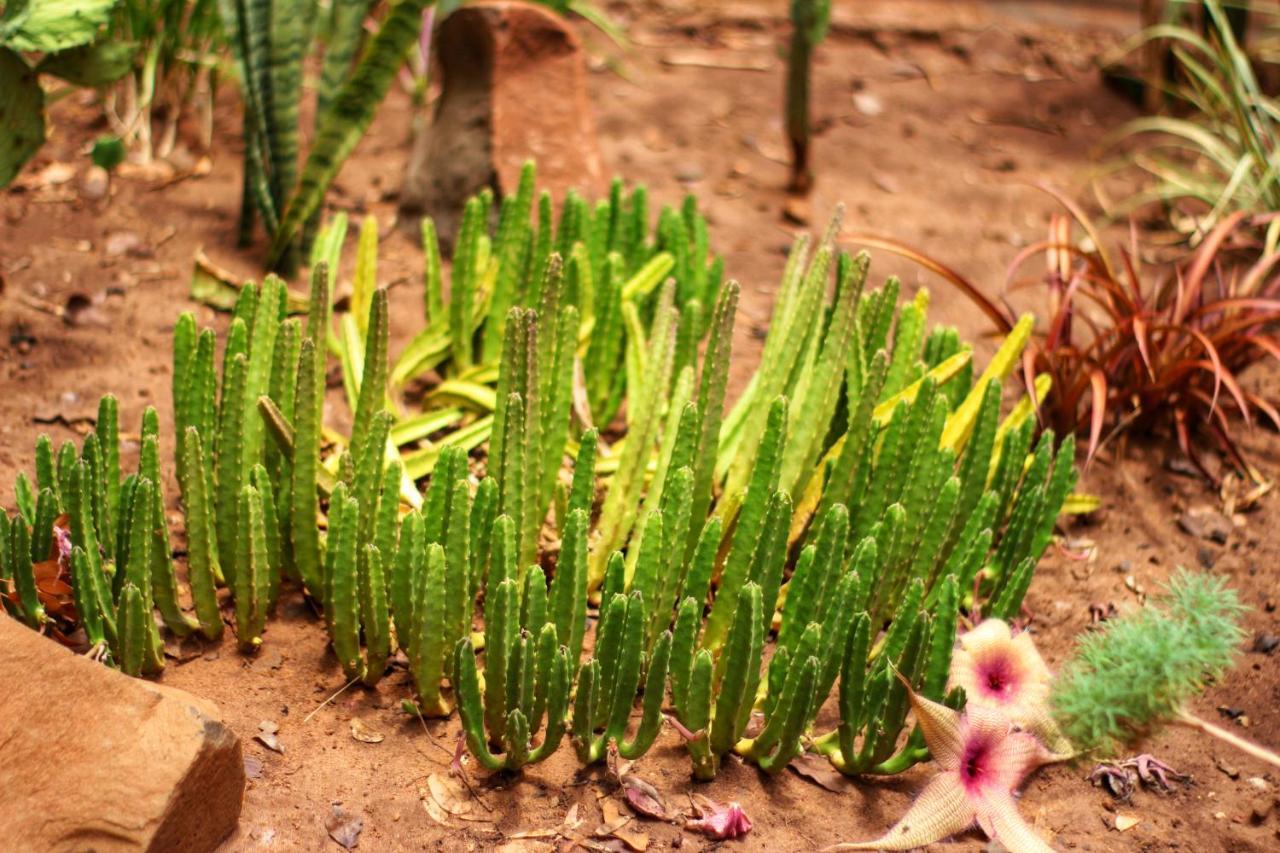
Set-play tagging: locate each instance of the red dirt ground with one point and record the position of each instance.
(977, 100)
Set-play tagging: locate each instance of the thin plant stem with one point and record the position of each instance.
(335, 695)
(1261, 753)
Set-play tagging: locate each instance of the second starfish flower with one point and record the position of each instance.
(982, 760)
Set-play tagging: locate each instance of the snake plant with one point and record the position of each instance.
(271, 41)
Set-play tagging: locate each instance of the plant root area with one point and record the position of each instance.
(934, 120)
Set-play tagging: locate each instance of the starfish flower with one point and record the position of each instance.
(1002, 671)
(982, 759)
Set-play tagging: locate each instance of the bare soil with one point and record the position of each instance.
(976, 101)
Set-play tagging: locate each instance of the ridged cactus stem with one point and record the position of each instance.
(202, 560)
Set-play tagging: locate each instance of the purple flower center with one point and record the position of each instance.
(997, 678)
(975, 764)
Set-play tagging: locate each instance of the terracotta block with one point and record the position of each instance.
(95, 760)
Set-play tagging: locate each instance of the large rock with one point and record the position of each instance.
(93, 760)
(514, 89)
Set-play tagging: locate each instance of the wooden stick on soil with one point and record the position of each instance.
(339, 692)
(1259, 752)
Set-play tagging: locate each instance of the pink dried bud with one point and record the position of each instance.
(718, 821)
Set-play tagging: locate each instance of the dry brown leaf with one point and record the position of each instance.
(55, 174)
(819, 771)
(364, 734)
(567, 828)
(432, 808)
(615, 826)
(449, 797)
(267, 736)
(344, 828)
(530, 834)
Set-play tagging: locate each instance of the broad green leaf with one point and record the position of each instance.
(21, 114)
(52, 25)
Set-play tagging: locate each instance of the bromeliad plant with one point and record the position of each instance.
(1129, 345)
(271, 40)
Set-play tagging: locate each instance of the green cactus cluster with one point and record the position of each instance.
(237, 486)
(609, 267)
(862, 492)
(84, 526)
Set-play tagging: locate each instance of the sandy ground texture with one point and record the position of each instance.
(934, 120)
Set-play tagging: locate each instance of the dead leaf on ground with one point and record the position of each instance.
(615, 825)
(1126, 822)
(643, 798)
(568, 828)
(442, 799)
(252, 767)
(219, 287)
(54, 174)
(364, 734)
(267, 736)
(449, 797)
(432, 808)
(183, 650)
(695, 58)
(343, 827)
(813, 768)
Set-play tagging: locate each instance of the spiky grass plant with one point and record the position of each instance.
(1220, 158)
(177, 44)
(1141, 670)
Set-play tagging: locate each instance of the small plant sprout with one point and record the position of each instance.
(997, 669)
(983, 759)
(809, 21)
(1142, 669)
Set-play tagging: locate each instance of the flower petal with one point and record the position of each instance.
(941, 728)
(1016, 755)
(1029, 656)
(987, 635)
(999, 818)
(989, 724)
(941, 810)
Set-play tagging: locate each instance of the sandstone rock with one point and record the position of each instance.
(514, 89)
(94, 760)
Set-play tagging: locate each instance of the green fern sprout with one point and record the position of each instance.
(1140, 671)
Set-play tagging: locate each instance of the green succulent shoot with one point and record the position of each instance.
(1141, 670)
